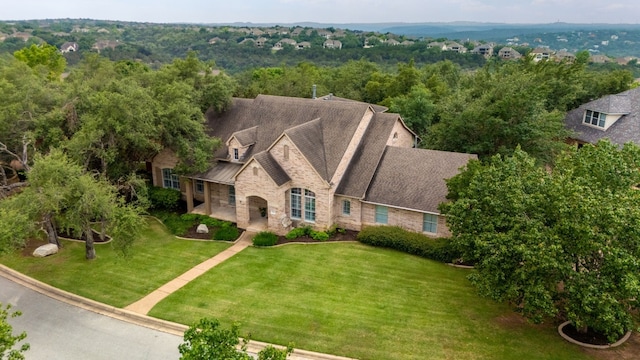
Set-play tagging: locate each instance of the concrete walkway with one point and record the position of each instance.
(144, 305)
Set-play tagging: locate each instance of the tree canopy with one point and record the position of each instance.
(556, 242)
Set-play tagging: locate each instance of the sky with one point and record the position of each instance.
(328, 11)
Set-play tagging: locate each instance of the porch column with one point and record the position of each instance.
(207, 198)
(189, 190)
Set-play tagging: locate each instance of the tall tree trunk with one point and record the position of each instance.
(90, 250)
(52, 234)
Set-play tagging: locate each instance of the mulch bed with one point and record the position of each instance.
(193, 234)
(589, 337)
(348, 235)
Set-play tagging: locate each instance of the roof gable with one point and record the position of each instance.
(272, 168)
(336, 123)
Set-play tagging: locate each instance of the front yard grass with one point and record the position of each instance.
(363, 302)
(156, 258)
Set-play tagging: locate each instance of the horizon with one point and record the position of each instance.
(517, 12)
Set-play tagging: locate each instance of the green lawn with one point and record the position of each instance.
(154, 260)
(362, 302)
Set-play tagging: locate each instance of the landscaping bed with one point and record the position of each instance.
(346, 235)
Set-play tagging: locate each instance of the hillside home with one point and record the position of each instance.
(615, 117)
(455, 47)
(509, 53)
(69, 47)
(539, 54)
(485, 50)
(332, 44)
(323, 162)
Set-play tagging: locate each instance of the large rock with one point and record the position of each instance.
(202, 229)
(45, 250)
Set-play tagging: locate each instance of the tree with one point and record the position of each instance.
(7, 339)
(555, 242)
(61, 195)
(44, 55)
(206, 340)
(497, 111)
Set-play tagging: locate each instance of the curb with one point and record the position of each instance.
(591, 346)
(92, 305)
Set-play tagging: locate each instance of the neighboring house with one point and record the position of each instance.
(332, 44)
(303, 45)
(215, 40)
(599, 59)
(509, 53)
(261, 41)
(69, 47)
(485, 50)
(539, 54)
(615, 117)
(455, 47)
(280, 44)
(323, 162)
(565, 56)
(392, 42)
(407, 43)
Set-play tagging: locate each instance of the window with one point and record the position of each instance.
(285, 150)
(381, 214)
(232, 195)
(255, 171)
(236, 154)
(430, 223)
(170, 180)
(296, 205)
(309, 205)
(595, 118)
(346, 207)
(199, 186)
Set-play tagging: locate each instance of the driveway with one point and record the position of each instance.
(57, 330)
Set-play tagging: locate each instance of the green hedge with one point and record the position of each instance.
(164, 199)
(394, 237)
(265, 238)
(226, 233)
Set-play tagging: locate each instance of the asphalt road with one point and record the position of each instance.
(57, 330)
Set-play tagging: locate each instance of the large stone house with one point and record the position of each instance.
(324, 162)
(615, 117)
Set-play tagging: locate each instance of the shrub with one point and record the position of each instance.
(174, 222)
(226, 233)
(319, 235)
(298, 232)
(265, 238)
(164, 199)
(394, 237)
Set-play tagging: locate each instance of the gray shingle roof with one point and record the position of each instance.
(626, 129)
(275, 114)
(414, 178)
(273, 169)
(248, 136)
(367, 156)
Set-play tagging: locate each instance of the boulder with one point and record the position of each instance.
(45, 250)
(202, 229)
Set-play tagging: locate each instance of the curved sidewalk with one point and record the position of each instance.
(144, 305)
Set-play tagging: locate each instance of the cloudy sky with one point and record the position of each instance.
(329, 11)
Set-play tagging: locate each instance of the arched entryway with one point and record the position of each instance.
(258, 213)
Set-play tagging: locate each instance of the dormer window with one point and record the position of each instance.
(236, 154)
(595, 118)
